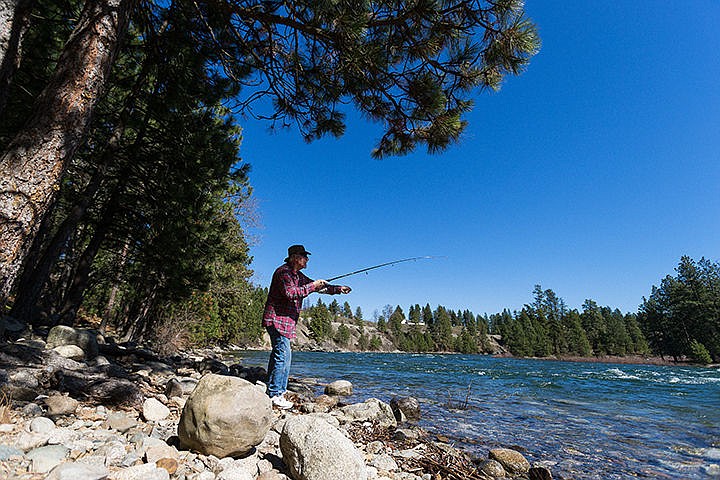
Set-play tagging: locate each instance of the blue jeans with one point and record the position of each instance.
(279, 364)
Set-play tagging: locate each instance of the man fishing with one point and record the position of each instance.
(282, 310)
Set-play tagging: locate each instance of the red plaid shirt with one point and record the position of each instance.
(287, 290)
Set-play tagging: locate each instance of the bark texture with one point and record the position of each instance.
(14, 20)
(31, 168)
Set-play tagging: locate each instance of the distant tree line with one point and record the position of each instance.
(547, 327)
(319, 318)
(423, 330)
(680, 319)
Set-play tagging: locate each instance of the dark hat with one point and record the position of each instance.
(296, 250)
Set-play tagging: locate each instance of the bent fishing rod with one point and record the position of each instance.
(386, 264)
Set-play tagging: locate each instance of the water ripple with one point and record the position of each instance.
(590, 420)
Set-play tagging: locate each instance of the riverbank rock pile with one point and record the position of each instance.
(118, 412)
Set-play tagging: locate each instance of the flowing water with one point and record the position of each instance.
(585, 420)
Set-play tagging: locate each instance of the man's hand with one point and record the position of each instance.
(345, 289)
(320, 284)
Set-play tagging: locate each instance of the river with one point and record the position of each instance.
(584, 420)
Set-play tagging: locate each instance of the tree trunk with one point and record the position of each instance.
(80, 280)
(36, 159)
(14, 21)
(138, 327)
(35, 275)
(116, 286)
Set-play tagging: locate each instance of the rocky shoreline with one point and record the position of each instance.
(73, 408)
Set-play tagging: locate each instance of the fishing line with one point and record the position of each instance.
(386, 264)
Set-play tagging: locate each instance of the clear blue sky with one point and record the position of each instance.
(591, 174)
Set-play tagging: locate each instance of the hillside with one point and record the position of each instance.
(306, 341)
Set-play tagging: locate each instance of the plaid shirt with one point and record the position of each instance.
(287, 290)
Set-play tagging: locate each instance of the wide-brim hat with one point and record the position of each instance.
(296, 250)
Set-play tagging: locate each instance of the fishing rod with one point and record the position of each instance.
(394, 262)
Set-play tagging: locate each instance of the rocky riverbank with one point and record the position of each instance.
(73, 408)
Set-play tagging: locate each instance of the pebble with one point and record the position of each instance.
(41, 425)
(7, 452)
(385, 463)
(77, 471)
(146, 471)
(61, 405)
(45, 458)
(120, 422)
(32, 410)
(154, 411)
(7, 428)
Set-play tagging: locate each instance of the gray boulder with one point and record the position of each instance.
(64, 335)
(407, 407)
(339, 387)
(492, 468)
(20, 385)
(512, 461)
(45, 458)
(371, 410)
(72, 352)
(61, 405)
(313, 449)
(41, 425)
(173, 388)
(225, 416)
(153, 410)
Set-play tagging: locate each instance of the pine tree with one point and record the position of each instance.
(342, 336)
(442, 329)
(334, 308)
(347, 311)
(681, 317)
(395, 321)
(381, 324)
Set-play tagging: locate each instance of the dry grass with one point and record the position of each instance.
(171, 337)
(459, 404)
(5, 408)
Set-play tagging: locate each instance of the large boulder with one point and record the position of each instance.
(64, 335)
(225, 416)
(313, 449)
